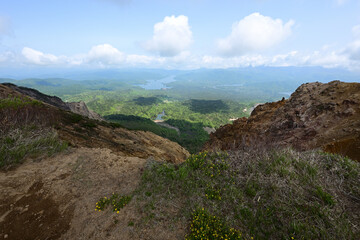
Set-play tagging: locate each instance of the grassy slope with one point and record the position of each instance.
(278, 194)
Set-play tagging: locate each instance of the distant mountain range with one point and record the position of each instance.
(308, 74)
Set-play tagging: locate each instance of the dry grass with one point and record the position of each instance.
(30, 141)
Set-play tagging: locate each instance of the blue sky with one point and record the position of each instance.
(186, 34)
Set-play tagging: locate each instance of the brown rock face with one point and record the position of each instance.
(316, 115)
(82, 109)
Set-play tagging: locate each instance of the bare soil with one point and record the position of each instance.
(55, 197)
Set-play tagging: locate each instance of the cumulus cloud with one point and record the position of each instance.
(254, 33)
(99, 55)
(37, 57)
(171, 36)
(105, 54)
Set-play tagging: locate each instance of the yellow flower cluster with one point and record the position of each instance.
(205, 226)
(212, 193)
(197, 161)
(117, 201)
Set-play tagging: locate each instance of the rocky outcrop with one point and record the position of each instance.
(316, 115)
(82, 109)
(76, 107)
(35, 94)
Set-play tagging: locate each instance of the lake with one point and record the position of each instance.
(159, 116)
(157, 84)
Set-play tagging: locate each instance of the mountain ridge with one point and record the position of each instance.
(76, 107)
(316, 115)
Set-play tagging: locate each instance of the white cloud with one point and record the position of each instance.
(171, 36)
(330, 59)
(100, 55)
(105, 54)
(37, 57)
(327, 59)
(283, 60)
(254, 33)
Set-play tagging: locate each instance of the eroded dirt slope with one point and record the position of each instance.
(55, 198)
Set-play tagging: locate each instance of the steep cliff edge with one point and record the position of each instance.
(82, 109)
(316, 115)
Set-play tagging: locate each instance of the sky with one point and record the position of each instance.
(179, 34)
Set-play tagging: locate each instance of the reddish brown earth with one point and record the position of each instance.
(317, 115)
